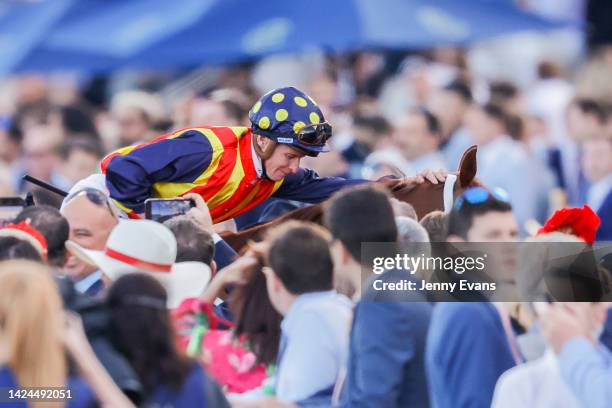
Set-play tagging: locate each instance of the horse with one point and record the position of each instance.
(425, 198)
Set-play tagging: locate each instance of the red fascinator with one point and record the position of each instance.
(581, 222)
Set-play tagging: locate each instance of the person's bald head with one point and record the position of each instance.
(90, 225)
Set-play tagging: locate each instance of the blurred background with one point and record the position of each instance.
(79, 78)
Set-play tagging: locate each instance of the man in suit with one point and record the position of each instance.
(597, 167)
(386, 366)
(470, 344)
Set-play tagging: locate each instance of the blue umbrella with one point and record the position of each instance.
(23, 25)
(161, 34)
(119, 28)
(239, 29)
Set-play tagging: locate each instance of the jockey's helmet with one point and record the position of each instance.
(289, 116)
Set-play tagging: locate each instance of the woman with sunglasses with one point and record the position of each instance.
(232, 168)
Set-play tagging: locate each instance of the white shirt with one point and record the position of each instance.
(314, 344)
(537, 383)
(85, 283)
(598, 192)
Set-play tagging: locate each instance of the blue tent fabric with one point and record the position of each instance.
(23, 25)
(97, 35)
(123, 28)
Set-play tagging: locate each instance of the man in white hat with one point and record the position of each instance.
(149, 247)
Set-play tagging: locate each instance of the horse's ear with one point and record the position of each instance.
(467, 166)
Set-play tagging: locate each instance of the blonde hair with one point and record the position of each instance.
(30, 324)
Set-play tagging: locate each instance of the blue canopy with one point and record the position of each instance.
(23, 25)
(161, 34)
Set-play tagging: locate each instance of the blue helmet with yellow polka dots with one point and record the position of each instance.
(289, 116)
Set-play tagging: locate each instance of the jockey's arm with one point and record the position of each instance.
(306, 186)
(131, 176)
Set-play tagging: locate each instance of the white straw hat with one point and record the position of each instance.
(149, 247)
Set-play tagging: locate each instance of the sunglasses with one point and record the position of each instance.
(315, 134)
(95, 196)
(479, 195)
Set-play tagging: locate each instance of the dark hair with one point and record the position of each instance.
(436, 225)
(460, 88)
(361, 214)
(502, 91)
(256, 318)
(592, 107)
(548, 69)
(37, 111)
(433, 124)
(15, 133)
(77, 119)
(15, 248)
(495, 111)
(53, 226)
(85, 144)
(460, 220)
(233, 110)
(44, 197)
(515, 127)
(193, 243)
(299, 255)
(141, 329)
(372, 123)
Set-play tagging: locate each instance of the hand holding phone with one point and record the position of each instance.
(162, 209)
(200, 213)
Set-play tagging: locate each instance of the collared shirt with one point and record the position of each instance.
(588, 371)
(537, 383)
(467, 351)
(314, 344)
(386, 362)
(598, 192)
(510, 336)
(85, 283)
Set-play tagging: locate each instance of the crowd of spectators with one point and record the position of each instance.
(169, 315)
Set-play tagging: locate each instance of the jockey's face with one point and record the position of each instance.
(284, 161)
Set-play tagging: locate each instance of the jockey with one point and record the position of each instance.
(232, 168)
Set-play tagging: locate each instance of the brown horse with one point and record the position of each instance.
(425, 197)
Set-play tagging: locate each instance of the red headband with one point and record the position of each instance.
(23, 230)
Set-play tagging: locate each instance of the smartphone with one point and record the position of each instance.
(162, 209)
(9, 208)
